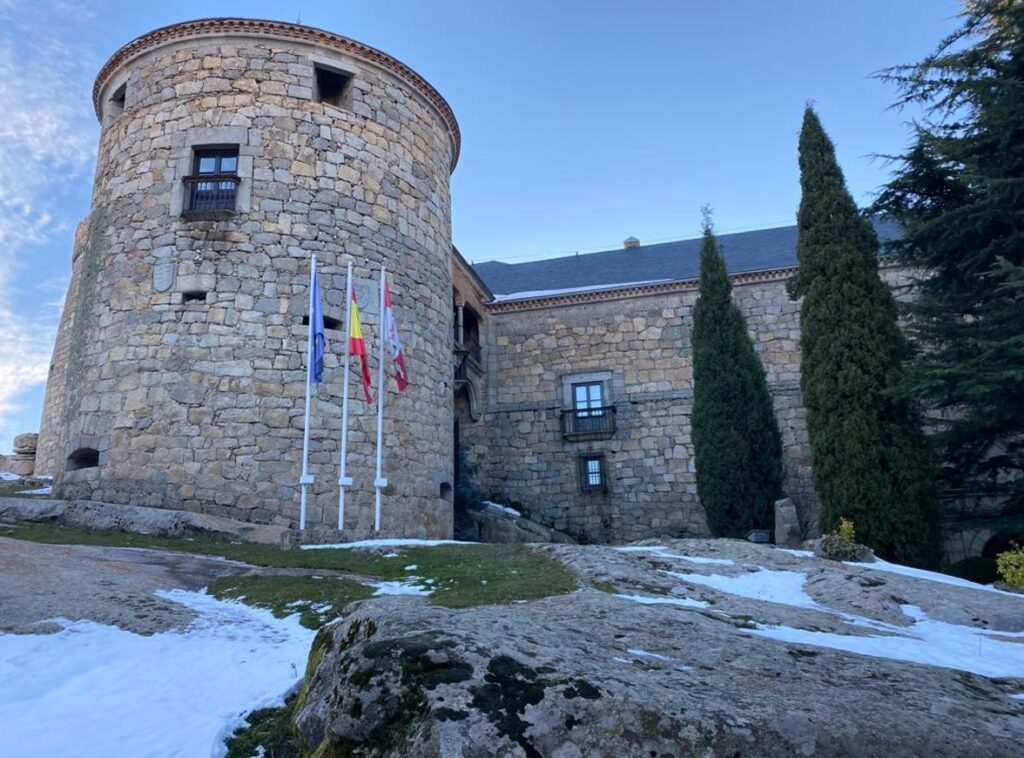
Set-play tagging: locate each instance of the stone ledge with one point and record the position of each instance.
(135, 518)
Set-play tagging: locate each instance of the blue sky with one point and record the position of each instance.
(583, 122)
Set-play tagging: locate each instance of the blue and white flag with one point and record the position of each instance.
(316, 328)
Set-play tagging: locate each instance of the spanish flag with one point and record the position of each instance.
(357, 345)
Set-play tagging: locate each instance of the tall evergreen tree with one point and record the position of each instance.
(735, 434)
(871, 463)
(959, 194)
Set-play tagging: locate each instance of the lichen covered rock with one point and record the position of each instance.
(597, 673)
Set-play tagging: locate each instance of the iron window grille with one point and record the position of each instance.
(592, 474)
(213, 187)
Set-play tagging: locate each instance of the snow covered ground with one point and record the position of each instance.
(7, 476)
(926, 640)
(502, 508)
(955, 581)
(405, 587)
(95, 690)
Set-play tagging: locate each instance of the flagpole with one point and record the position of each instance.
(306, 479)
(380, 482)
(343, 479)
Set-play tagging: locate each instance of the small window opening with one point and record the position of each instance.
(329, 323)
(117, 101)
(84, 457)
(193, 296)
(331, 85)
(592, 473)
(445, 491)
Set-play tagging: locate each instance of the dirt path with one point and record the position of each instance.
(105, 584)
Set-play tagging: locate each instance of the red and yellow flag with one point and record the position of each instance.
(357, 346)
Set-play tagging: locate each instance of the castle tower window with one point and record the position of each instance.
(331, 85)
(116, 104)
(329, 323)
(84, 457)
(592, 474)
(214, 182)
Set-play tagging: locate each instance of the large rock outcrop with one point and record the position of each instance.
(685, 671)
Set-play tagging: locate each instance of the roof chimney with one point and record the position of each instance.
(630, 242)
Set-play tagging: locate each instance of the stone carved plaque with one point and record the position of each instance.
(367, 295)
(163, 275)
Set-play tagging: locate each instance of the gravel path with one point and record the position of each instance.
(105, 584)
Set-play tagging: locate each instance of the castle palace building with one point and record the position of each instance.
(231, 152)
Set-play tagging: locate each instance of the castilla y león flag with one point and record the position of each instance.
(357, 345)
(401, 375)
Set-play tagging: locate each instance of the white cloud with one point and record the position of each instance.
(47, 139)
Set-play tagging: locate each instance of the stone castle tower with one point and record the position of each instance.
(231, 151)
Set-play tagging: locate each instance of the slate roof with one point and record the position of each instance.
(762, 250)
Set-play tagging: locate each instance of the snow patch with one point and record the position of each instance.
(800, 553)
(784, 587)
(503, 508)
(7, 476)
(685, 602)
(175, 693)
(677, 664)
(393, 542)
(926, 641)
(405, 587)
(40, 491)
(662, 552)
(931, 576)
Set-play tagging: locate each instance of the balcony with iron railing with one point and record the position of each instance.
(588, 423)
(210, 196)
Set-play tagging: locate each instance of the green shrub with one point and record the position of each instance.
(842, 545)
(835, 548)
(1011, 567)
(846, 530)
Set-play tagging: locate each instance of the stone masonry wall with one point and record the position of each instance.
(51, 433)
(197, 402)
(644, 341)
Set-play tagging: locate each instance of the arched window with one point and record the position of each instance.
(84, 457)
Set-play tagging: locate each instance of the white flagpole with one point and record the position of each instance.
(380, 482)
(343, 479)
(306, 479)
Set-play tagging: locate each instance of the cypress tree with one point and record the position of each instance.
(958, 193)
(871, 462)
(735, 434)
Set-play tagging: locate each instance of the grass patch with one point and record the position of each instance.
(268, 727)
(316, 600)
(463, 575)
